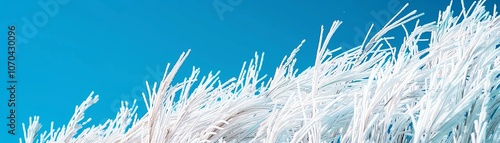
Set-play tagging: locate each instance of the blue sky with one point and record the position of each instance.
(113, 46)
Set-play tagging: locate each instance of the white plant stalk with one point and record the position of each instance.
(447, 92)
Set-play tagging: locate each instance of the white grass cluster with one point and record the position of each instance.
(448, 92)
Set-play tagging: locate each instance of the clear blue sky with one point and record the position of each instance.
(113, 46)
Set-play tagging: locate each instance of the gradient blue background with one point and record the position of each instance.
(113, 46)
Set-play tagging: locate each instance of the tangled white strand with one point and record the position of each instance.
(447, 92)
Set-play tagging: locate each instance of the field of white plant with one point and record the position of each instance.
(376, 92)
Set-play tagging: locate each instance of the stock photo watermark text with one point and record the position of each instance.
(31, 24)
(223, 6)
(381, 17)
(11, 80)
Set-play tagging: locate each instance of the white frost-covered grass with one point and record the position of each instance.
(448, 92)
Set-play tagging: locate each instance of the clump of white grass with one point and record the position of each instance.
(447, 92)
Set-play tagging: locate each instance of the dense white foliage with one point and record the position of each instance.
(447, 92)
